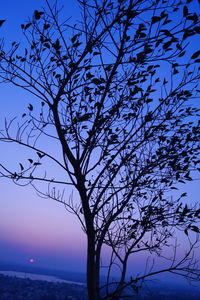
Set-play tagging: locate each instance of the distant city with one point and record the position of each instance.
(23, 283)
(14, 288)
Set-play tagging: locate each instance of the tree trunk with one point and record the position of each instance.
(92, 271)
(92, 261)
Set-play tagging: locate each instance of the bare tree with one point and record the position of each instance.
(117, 93)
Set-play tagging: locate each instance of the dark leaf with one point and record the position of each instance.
(167, 44)
(197, 212)
(21, 166)
(40, 154)
(46, 26)
(149, 117)
(85, 117)
(38, 14)
(182, 54)
(27, 26)
(185, 11)
(181, 181)
(164, 81)
(184, 195)
(96, 53)
(132, 14)
(195, 55)
(46, 45)
(108, 68)
(77, 44)
(167, 32)
(1, 22)
(149, 100)
(155, 19)
(194, 18)
(175, 72)
(166, 21)
(188, 33)
(56, 45)
(178, 46)
(74, 38)
(194, 228)
(30, 107)
(89, 75)
(96, 81)
(197, 29)
(185, 210)
(37, 163)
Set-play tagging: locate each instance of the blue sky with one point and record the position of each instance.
(31, 226)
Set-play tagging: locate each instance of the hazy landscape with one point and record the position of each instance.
(22, 282)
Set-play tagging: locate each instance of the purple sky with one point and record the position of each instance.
(31, 226)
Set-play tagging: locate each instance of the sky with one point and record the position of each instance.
(32, 227)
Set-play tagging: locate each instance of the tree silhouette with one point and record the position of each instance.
(117, 92)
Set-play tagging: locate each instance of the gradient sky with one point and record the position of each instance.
(31, 226)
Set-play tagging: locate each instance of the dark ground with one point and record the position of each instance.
(13, 288)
